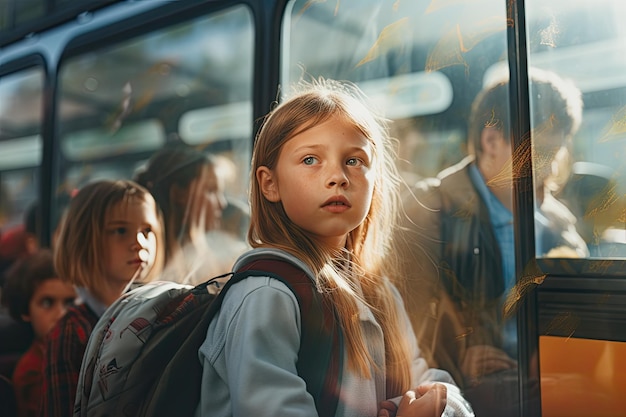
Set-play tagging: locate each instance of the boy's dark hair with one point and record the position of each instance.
(556, 105)
(23, 278)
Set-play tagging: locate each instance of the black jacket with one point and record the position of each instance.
(453, 280)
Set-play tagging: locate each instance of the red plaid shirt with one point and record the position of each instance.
(27, 380)
(66, 345)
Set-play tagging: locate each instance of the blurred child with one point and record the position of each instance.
(323, 197)
(109, 237)
(34, 293)
(189, 190)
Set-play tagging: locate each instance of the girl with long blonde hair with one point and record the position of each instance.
(323, 196)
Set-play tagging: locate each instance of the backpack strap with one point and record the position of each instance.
(319, 357)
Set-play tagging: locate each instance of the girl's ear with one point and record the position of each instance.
(268, 184)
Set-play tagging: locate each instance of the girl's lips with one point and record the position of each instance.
(336, 204)
(337, 201)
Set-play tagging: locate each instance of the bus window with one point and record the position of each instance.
(423, 64)
(20, 143)
(407, 57)
(119, 103)
(585, 43)
(142, 136)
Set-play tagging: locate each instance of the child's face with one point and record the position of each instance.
(48, 304)
(324, 180)
(130, 240)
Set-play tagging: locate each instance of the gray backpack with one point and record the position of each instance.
(142, 357)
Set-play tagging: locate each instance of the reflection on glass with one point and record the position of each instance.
(424, 64)
(20, 143)
(185, 84)
(585, 43)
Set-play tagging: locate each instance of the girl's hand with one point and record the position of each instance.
(428, 400)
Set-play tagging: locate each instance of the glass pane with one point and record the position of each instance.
(5, 15)
(143, 135)
(122, 103)
(423, 64)
(28, 10)
(584, 43)
(21, 96)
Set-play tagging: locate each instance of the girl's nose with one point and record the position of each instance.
(338, 177)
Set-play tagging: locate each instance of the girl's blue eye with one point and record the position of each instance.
(309, 160)
(354, 162)
(120, 230)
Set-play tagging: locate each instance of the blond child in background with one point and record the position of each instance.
(110, 237)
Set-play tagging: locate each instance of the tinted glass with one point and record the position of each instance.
(584, 42)
(20, 143)
(423, 64)
(189, 83)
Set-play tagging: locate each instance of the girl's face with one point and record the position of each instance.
(324, 180)
(130, 239)
(48, 304)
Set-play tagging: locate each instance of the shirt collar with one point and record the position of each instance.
(96, 306)
(498, 213)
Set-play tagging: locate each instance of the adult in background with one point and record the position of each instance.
(458, 242)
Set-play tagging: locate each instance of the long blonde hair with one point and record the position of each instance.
(369, 244)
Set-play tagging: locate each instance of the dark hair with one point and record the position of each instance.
(22, 280)
(556, 106)
(176, 165)
(490, 109)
